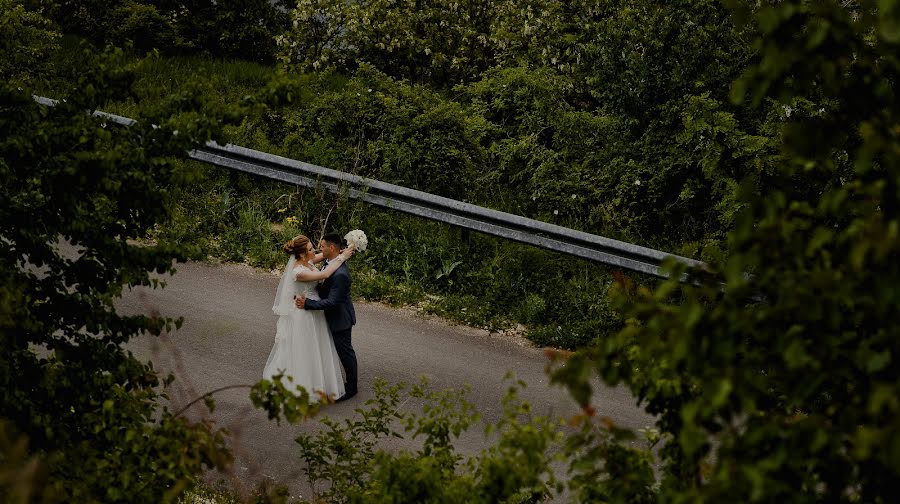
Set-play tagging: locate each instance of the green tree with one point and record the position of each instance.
(774, 373)
(79, 193)
(440, 42)
(243, 29)
(26, 40)
(621, 103)
(662, 70)
(376, 127)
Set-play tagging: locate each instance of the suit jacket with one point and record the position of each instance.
(335, 294)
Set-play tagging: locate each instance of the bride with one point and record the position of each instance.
(303, 347)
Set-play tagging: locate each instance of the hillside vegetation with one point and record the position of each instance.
(612, 118)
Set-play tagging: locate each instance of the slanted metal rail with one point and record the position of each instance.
(465, 215)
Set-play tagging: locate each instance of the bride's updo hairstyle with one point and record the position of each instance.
(296, 246)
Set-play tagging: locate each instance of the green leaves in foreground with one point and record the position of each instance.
(344, 463)
(79, 195)
(279, 401)
(773, 373)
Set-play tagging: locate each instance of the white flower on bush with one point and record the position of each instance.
(358, 239)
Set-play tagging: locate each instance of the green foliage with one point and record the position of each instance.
(252, 227)
(607, 464)
(376, 127)
(139, 23)
(71, 177)
(79, 196)
(172, 26)
(438, 41)
(264, 493)
(206, 495)
(344, 464)
(279, 401)
(582, 101)
(660, 167)
(76, 16)
(661, 69)
(656, 161)
(26, 39)
(526, 139)
(527, 109)
(640, 55)
(229, 28)
(772, 373)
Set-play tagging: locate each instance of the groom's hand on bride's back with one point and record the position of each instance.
(300, 301)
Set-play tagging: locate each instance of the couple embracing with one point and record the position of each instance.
(315, 320)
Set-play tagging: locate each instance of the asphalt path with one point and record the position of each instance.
(228, 332)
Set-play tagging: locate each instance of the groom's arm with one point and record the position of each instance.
(340, 289)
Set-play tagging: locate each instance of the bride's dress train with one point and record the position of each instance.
(303, 346)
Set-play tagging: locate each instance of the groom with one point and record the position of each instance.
(334, 292)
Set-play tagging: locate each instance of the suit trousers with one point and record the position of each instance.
(344, 346)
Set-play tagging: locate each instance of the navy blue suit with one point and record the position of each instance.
(339, 312)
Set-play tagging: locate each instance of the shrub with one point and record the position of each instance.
(26, 41)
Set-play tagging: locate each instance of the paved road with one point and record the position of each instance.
(229, 330)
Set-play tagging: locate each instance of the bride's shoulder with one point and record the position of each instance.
(302, 267)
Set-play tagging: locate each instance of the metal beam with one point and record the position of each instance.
(429, 206)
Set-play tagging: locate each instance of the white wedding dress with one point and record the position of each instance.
(303, 346)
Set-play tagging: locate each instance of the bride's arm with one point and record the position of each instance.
(319, 258)
(309, 276)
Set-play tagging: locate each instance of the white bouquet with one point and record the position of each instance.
(358, 239)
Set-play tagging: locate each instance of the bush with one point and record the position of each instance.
(84, 404)
(26, 41)
(344, 464)
(375, 127)
(772, 372)
(142, 24)
(252, 26)
(175, 27)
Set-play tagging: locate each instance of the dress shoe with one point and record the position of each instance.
(345, 397)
